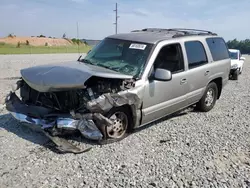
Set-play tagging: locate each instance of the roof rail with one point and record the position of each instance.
(178, 31)
(150, 30)
(191, 30)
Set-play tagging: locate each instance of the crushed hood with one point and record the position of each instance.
(65, 76)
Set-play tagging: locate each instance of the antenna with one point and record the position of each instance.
(78, 38)
(116, 18)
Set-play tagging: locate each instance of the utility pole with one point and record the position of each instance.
(116, 18)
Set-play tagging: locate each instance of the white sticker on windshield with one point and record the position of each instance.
(138, 46)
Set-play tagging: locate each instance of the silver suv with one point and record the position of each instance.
(126, 81)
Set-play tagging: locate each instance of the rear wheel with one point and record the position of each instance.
(209, 98)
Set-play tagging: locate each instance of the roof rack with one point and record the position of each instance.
(178, 32)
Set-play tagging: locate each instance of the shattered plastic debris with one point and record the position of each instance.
(100, 122)
(64, 146)
(89, 130)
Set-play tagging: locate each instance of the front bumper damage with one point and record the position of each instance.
(30, 115)
(91, 125)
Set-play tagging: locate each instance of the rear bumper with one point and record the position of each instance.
(42, 118)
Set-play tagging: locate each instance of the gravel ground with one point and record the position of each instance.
(189, 149)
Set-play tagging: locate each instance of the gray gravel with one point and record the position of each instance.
(189, 149)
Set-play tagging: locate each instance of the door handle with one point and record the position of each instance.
(183, 81)
(206, 73)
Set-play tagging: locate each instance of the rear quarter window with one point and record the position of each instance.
(218, 48)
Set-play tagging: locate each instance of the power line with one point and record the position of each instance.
(116, 18)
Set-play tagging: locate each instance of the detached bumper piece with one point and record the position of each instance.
(64, 146)
(43, 118)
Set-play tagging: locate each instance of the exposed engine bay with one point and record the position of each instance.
(73, 100)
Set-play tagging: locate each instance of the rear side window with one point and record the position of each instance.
(196, 54)
(218, 48)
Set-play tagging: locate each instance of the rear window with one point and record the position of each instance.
(218, 48)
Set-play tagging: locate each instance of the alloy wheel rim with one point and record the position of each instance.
(209, 97)
(119, 125)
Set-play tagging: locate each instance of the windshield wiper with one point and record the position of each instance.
(106, 67)
(101, 65)
(87, 61)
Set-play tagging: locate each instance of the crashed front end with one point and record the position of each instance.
(52, 121)
(64, 111)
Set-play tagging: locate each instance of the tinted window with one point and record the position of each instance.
(218, 48)
(195, 53)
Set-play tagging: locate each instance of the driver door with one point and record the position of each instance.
(165, 97)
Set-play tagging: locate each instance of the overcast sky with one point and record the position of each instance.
(229, 18)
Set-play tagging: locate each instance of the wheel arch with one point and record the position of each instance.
(218, 82)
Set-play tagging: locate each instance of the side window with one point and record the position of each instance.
(196, 54)
(170, 58)
(239, 55)
(218, 48)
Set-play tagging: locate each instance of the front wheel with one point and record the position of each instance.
(235, 75)
(121, 123)
(241, 70)
(209, 98)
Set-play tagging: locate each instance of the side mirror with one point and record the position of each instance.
(162, 75)
(242, 58)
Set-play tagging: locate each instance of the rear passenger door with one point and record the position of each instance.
(198, 70)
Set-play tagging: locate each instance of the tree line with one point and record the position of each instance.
(243, 45)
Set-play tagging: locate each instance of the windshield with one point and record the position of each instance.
(122, 56)
(233, 55)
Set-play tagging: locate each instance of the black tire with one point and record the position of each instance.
(241, 69)
(235, 75)
(113, 112)
(207, 102)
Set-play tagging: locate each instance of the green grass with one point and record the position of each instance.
(24, 49)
